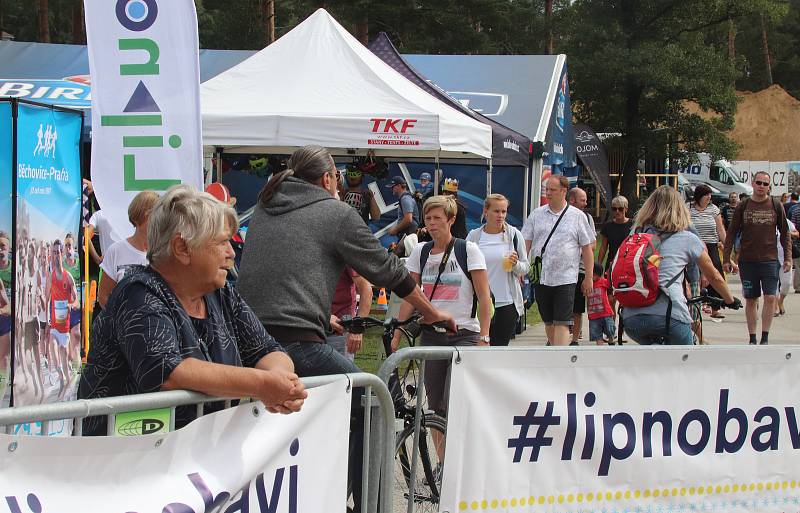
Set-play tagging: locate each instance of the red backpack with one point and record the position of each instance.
(634, 273)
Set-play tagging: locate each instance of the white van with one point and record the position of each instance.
(721, 175)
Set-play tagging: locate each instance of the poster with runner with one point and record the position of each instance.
(47, 295)
(5, 248)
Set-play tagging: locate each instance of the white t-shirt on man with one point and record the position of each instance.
(120, 257)
(561, 262)
(107, 234)
(454, 293)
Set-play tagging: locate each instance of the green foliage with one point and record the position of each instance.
(782, 24)
(424, 26)
(19, 19)
(633, 63)
(638, 63)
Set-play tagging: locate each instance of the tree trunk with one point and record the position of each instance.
(44, 21)
(765, 45)
(731, 39)
(631, 131)
(78, 32)
(269, 19)
(631, 146)
(548, 22)
(362, 30)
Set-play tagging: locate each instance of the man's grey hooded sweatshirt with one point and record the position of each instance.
(296, 249)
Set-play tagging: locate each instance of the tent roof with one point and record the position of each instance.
(509, 148)
(318, 85)
(512, 89)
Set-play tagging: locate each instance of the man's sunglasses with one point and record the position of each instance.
(762, 184)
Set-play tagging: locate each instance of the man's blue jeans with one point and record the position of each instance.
(647, 329)
(320, 359)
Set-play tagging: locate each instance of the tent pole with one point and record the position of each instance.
(536, 190)
(210, 177)
(489, 178)
(437, 175)
(526, 193)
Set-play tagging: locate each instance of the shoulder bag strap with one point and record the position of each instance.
(553, 230)
(442, 265)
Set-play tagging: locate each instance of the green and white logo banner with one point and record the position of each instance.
(143, 58)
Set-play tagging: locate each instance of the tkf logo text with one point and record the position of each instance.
(693, 433)
(141, 109)
(389, 125)
(393, 132)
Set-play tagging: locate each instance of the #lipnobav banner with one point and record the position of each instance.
(5, 247)
(234, 461)
(143, 57)
(640, 430)
(47, 296)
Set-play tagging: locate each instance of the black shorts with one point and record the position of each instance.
(579, 305)
(555, 303)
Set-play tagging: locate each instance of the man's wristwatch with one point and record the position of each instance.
(485, 338)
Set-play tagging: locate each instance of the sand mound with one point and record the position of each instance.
(768, 126)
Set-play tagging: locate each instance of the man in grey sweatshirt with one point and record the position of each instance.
(297, 245)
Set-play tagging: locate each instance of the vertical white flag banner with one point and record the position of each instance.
(146, 133)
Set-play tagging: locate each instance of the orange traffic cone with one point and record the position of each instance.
(383, 304)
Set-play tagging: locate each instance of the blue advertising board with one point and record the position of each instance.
(561, 140)
(48, 206)
(471, 191)
(510, 182)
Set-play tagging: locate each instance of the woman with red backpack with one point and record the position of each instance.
(666, 320)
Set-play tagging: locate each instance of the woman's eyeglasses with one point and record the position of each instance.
(762, 184)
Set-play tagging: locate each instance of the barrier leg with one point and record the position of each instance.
(373, 463)
(415, 450)
(366, 504)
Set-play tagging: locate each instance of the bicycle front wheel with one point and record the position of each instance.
(430, 455)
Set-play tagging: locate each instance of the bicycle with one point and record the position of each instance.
(714, 302)
(403, 386)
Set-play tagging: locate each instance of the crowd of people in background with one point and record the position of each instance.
(311, 260)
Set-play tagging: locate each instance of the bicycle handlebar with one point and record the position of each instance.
(715, 302)
(359, 324)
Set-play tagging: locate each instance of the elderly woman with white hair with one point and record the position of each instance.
(177, 324)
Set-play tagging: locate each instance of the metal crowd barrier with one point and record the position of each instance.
(385, 372)
(376, 462)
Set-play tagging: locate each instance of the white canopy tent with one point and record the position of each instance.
(318, 85)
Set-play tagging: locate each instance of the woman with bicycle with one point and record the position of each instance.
(503, 248)
(665, 214)
(453, 276)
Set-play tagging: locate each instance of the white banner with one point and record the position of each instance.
(634, 430)
(143, 58)
(778, 172)
(238, 460)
